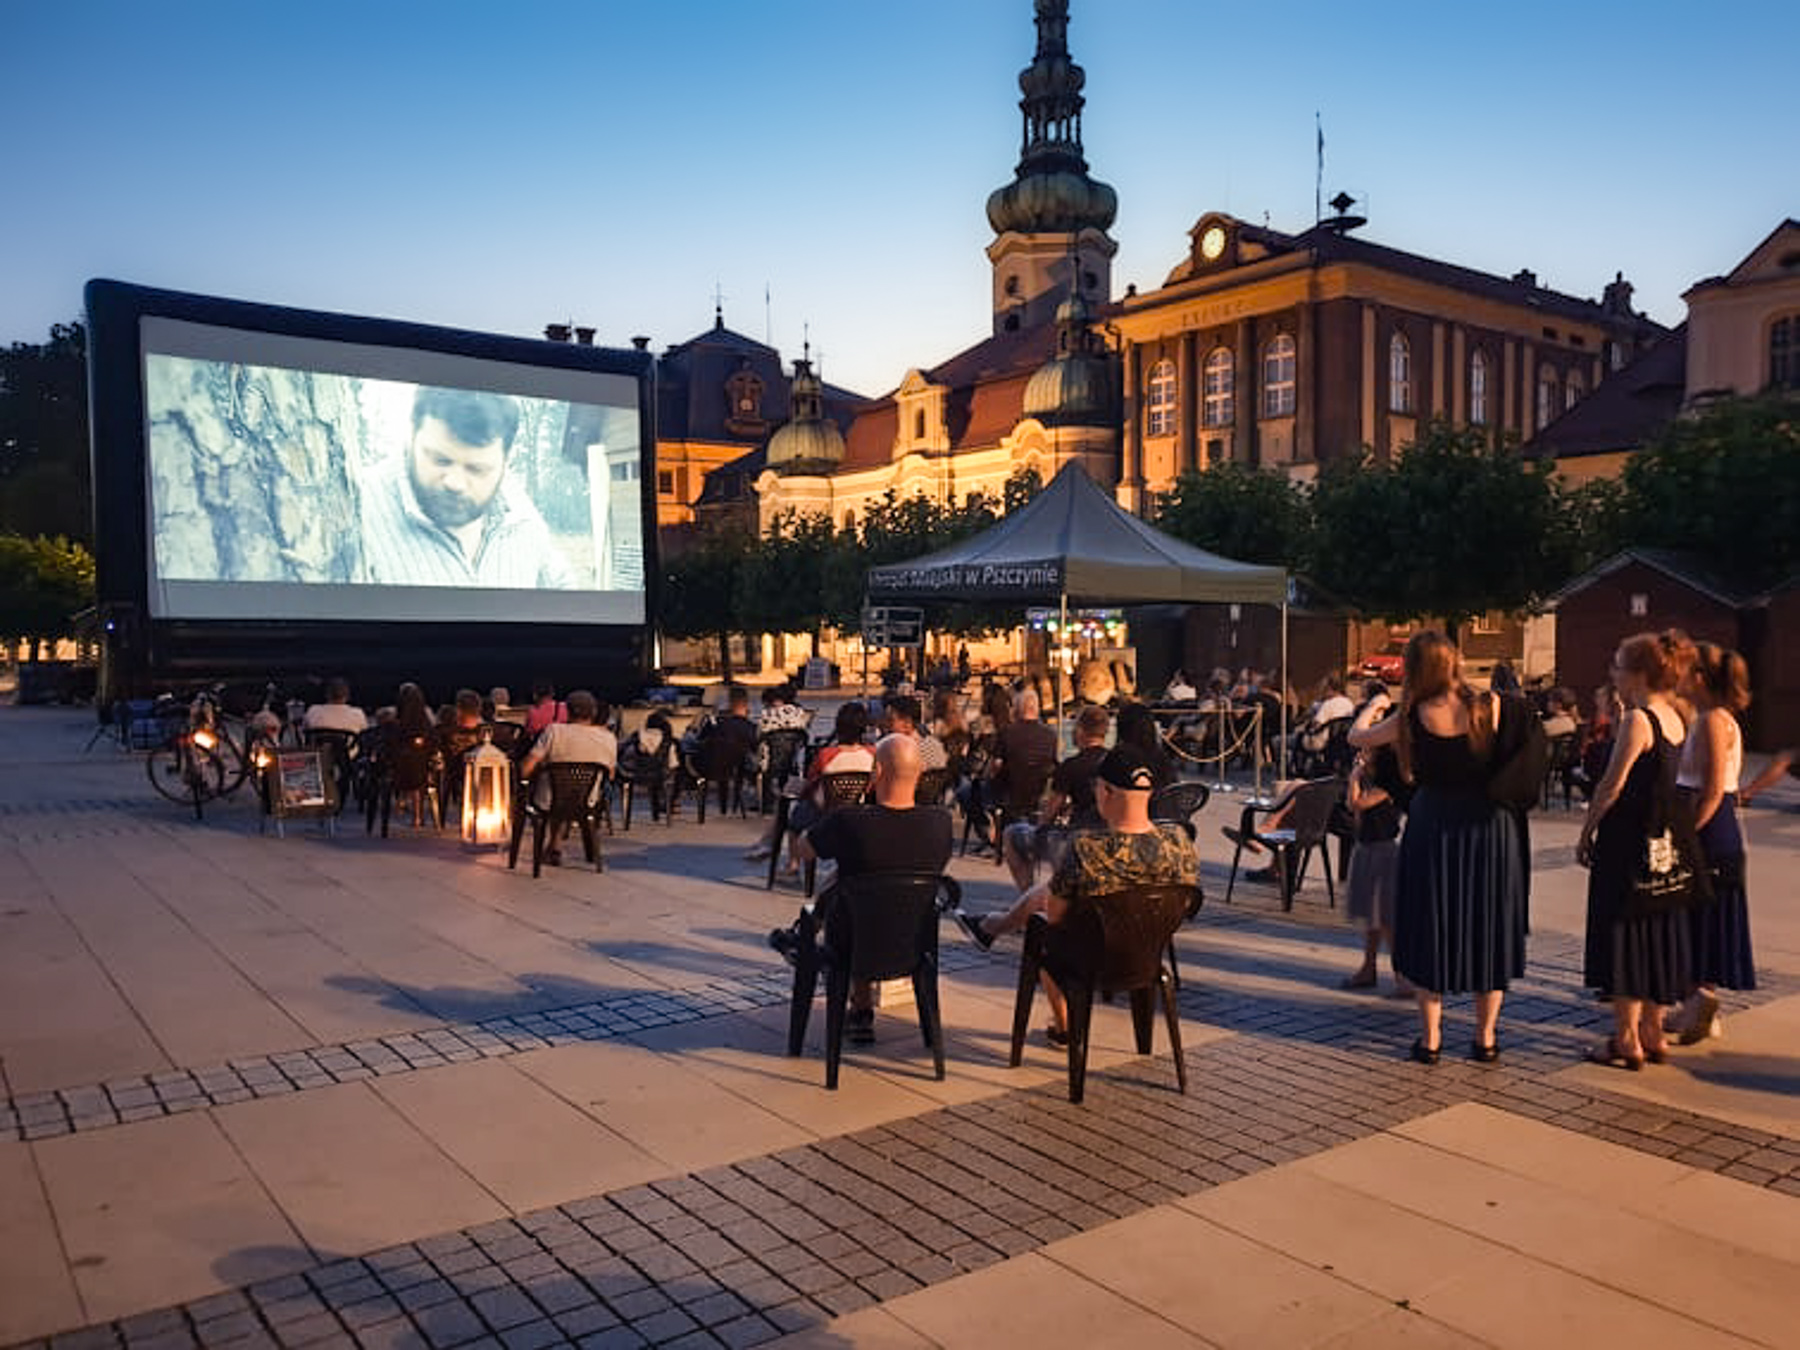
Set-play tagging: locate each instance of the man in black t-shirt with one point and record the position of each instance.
(1027, 843)
(1023, 759)
(893, 835)
(724, 746)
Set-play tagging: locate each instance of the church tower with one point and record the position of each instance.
(1050, 222)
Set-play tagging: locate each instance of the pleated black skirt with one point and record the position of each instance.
(1721, 930)
(1459, 922)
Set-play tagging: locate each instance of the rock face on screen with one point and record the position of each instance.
(251, 469)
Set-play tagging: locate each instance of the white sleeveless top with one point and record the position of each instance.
(1690, 775)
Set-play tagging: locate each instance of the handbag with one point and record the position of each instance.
(1668, 875)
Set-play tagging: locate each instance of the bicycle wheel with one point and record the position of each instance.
(186, 775)
(233, 753)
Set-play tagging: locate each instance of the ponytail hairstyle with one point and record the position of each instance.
(1662, 660)
(1720, 677)
(1434, 667)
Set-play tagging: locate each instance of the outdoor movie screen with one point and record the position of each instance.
(299, 477)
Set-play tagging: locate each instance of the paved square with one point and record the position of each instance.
(352, 1091)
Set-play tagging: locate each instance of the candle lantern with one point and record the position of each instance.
(487, 796)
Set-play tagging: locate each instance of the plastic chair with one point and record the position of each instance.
(577, 797)
(845, 788)
(778, 759)
(648, 771)
(1303, 830)
(405, 766)
(878, 926)
(932, 785)
(1121, 942)
(1565, 758)
(1178, 804)
(341, 748)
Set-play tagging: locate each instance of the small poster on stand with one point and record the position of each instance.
(302, 786)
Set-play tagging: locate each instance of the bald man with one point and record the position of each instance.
(893, 835)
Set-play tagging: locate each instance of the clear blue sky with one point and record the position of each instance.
(497, 167)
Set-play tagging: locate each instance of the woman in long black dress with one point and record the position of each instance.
(1459, 914)
(1640, 962)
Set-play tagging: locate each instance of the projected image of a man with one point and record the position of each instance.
(444, 517)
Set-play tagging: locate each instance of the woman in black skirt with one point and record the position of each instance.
(1712, 762)
(1459, 913)
(1641, 961)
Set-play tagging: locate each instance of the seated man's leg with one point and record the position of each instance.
(984, 928)
(1018, 846)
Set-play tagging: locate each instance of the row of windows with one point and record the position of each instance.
(1218, 387)
(1218, 383)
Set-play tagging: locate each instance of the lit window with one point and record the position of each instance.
(1219, 386)
(1573, 389)
(1784, 353)
(1278, 377)
(1159, 401)
(1400, 398)
(1546, 395)
(1478, 403)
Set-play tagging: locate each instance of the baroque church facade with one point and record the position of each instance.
(1260, 347)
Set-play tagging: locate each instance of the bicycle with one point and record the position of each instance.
(205, 760)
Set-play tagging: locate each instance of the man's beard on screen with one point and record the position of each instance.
(449, 509)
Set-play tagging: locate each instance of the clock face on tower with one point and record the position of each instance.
(1212, 243)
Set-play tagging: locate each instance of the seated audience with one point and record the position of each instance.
(336, 713)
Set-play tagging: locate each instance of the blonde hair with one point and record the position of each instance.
(1433, 668)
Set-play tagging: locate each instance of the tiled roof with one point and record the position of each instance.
(1625, 410)
(1690, 569)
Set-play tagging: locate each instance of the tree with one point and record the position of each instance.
(1452, 528)
(44, 473)
(702, 586)
(1724, 483)
(1249, 514)
(789, 576)
(44, 583)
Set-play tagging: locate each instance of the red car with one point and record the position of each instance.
(1387, 665)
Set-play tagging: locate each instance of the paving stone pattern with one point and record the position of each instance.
(738, 1255)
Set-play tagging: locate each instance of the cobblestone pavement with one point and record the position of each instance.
(744, 1253)
(741, 1254)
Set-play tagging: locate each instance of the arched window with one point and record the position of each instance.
(1218, 385)
(1546, 395)
(1278, 377)
(1159, 400)
(1784, 352)
(1573, 389)
(1478, 398)
(1400, 397)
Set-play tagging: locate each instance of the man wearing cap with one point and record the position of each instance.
(1132, 850)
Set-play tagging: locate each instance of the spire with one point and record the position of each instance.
(1051, 190)
(1053, 102)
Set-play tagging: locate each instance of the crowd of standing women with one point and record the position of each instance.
(1667, 918)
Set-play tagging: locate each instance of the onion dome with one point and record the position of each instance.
(1075, 387)
(1051, 191)
(809, 442)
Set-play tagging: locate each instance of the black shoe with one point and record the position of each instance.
(1262, 874)
(859, 1028)
(971, 924)
(1484, 1054)
(1420, 1055)
(1057, 1037)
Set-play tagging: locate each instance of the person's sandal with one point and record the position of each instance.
(1484, 1054)
(1422, 1054)
(1609, 1054)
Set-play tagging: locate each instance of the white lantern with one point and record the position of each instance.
(487, 797)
